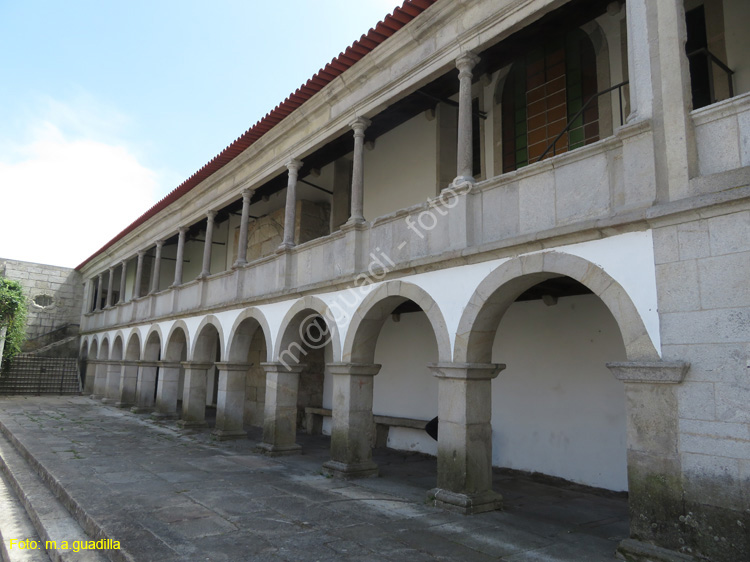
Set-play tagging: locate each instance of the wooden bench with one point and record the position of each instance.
(314, 421)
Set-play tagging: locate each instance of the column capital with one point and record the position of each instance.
(123, 263)
(277, 367)
(356, 369)
(159, 243)
(650, 372)
(247, 193)
(360, 124)
(182, 229)
(196, 365)
(211, 214)
(141, 253)
(466, 371)
(112, 268)
(465, 63)
(294, 165)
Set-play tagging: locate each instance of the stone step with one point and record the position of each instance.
(15, 525)
(46, 510)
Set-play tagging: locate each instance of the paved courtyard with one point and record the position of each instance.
(167, 495)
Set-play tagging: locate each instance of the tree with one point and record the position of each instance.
(12, 318)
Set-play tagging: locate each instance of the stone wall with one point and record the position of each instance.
(54, 295)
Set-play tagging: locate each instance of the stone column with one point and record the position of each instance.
(145, 387)
(88, 384)
(123, 279)
(110, 283)
(230, 402)
(100, 379)
(182, 232)
(358, 170)
(156, 273)
(206, 271)
(290, 211)
(639, 60)
(280, 420)
(655, 495)
(194, 394)
(128, 383)
(138, 274)
(464, 171)
(247, 194)
(112, 384)
(166, 390)
(352, 431)
(99, 291)
(464, 479)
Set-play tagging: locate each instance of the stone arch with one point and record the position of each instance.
(172, 345)
(485, 309)
(362, 335)
(152, 344)
(153, 332)
(133, 347)
(104, 349)
(305, 307)
(242, 332)
(198, 350)
(93, 348)
(116, 353)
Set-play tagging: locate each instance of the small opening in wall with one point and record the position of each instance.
(44, 300)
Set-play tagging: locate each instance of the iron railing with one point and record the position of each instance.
(711, 60)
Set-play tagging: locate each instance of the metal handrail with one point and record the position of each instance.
(553, 144)
(711, 58)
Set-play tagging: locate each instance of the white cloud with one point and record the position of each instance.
(63, 195)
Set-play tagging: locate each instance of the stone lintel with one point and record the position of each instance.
(348, 471)
(196, 365)
(148, 363)
(168, 364)
(357, 369)
(467, 504)
(226, 366)
(466, 371)
(282, 368)
(278, 450)
(129, 362)
(650, 372)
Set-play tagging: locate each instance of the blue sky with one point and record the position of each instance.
(107, 106)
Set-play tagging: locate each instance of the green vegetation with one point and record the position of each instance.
(12, 317)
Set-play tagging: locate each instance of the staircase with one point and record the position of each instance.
(40, 375)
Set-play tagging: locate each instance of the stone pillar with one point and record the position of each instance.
(230, 402)
(180, 258)
(112, 384)
(194, 394)
(464, 479)
(128, 383)
(206, 271)
(156, 273)
(166, 390)
(100, 379)
(280, 420)
(352, 431)
(639, 60)
(358, 170)
(99, 291)
(655, 495)
(110, 283)
(138, 274)
(88, 384)
(247, 194)
(290, 211)
(464, 171)
(123, 279)
(145, 387)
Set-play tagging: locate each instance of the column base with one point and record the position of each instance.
(239, 263)
(284, 247)
(348, 471)
(462, 181)
(636, 551)
(164, 415)
(466, 504)
(278, 450)
(228, 435)
(141, 409)
(123, 404)
(191, 424)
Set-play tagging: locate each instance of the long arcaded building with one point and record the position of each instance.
(529, 218)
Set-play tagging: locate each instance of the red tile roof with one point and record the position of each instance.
(382, 31)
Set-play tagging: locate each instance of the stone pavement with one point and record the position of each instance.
(168, 495)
